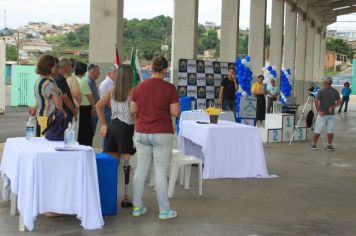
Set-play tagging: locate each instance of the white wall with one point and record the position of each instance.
(2, 77)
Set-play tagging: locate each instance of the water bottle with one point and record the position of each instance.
(69, 137)
(30, 128)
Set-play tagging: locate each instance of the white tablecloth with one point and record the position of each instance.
(45, 180)
(229, 150)
(201, 115)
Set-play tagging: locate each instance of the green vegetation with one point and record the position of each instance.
(339, 46)
(11, 52)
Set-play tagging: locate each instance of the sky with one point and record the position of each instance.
(20, 12)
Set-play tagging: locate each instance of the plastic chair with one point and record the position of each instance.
(187, 162)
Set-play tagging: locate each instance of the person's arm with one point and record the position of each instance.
(336, 104)
(92, 102)
(174, 109)
(57, 102)
(69, 104)
(133, 108)
(317, 106)
(236, 85)
(100, 112)
(221, 95)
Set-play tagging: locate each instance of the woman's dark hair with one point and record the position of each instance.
(45, 65)
(80, 68)
(159, 64)
(347, 84)
(232, 68)
(123, 83)
(260, 77)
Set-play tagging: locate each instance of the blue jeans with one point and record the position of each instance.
(107, 113)
(159, 148)
(229, 106)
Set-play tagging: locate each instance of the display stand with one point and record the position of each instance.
(279, 127)
(245, 110)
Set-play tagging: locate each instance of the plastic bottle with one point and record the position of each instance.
(69, 137)
(30, 128)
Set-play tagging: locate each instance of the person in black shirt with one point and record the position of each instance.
(228, 88)
(65, 68)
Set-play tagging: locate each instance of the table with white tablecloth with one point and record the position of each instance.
(229, 150)
(202, 116)
(46, 180)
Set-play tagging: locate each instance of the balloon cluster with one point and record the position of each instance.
(244, 74)
(269, 72)
(286, 85)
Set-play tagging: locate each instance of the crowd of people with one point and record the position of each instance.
(133, 118)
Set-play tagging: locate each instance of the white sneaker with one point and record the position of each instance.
(167, 214)
(139, 211)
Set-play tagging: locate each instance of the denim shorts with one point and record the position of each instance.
(325, 121)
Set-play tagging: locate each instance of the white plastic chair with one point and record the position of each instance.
(187, 162)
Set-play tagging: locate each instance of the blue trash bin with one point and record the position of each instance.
(107, 175)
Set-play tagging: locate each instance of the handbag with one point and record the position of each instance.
(56, 126)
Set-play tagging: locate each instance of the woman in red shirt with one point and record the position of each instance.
(154, 102)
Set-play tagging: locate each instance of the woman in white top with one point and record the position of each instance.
(120, 133)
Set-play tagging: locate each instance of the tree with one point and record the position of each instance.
(339, 46)
(11, 52)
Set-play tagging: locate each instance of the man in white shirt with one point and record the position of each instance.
(106, 86)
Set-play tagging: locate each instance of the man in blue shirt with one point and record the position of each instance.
(346, 91)
(93, 75)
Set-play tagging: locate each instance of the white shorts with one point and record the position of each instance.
(326, 121)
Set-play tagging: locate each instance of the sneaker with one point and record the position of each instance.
(312, 147)
(139, 211)
(167, 214)
(330, 148)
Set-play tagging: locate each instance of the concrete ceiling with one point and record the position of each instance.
(325, 11)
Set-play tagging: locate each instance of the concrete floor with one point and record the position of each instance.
(314, 195)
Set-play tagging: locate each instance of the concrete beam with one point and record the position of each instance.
(317, 49)
(309, 59)
(322, 54)
(106, 30)
(290, 39)
(301, 40)
(2, 76)
(257, 35)
(229, 30)
(184, 38)
(277, 35)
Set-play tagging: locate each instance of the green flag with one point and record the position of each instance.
(135, 68)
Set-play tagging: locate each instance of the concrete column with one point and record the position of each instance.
(316, 67)
(257, 35)
(277, 35)
(184, 38)
(229, 30)
(322, 55)
(106, 30)
(300, 59)
(309, 59)
(2, 77)
(290, 39)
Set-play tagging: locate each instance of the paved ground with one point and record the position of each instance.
(314, 195)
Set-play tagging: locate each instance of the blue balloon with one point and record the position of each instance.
(269, 68)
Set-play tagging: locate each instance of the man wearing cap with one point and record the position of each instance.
(105, 87)
(326, 101)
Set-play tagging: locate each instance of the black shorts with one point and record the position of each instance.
(119, 138)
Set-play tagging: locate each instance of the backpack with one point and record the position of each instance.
(309, 120)
(56, 126)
